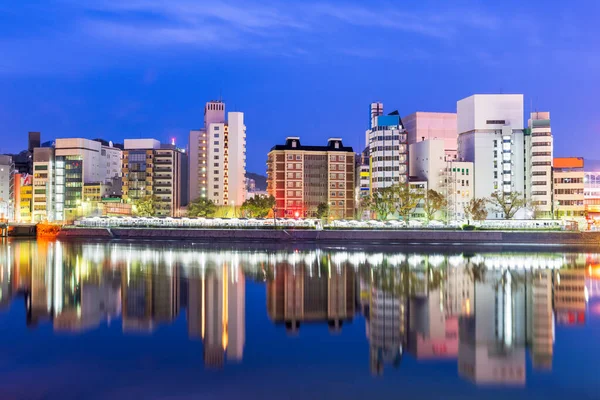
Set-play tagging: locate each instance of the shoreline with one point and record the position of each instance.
(362, 237)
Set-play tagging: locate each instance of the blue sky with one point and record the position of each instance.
(134, 68)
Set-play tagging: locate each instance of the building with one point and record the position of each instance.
(23, 197)
(539, 152)
(429, 161)
(540, 321)
(363, 180)
(591, 196)
(569, 187)
(388, 148)
(154, 170)
(433, 125)
(7, 195)
(491, 136)
(43, 184)
(569, 291)
(302, 177)
(217, 157)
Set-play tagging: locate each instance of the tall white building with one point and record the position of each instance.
(217, 160)
(539, 153)
(387, 142)
(491, 136)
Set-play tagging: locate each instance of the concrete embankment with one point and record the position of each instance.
(341, 236)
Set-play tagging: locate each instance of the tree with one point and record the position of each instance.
(475, 210)
(382, 202)
(405, 200)
(258, 206)
(322, 210)
(434, 201)
(202, 207)
(144, 206)
(507, 203)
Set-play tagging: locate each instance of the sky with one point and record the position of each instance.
(145, 68)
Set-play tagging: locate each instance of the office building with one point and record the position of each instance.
(7, 195)
(491, 136)
(539, 153)
(363, 181)
(388, 148)
(569, 187)
(433, 126)
(302, 177)
(217, 157)
(154, 170)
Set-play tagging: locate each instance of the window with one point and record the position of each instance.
(495, 122)
(216, 194)
(216, 179)
(341, 203)
(290, 157)
(216, 135)
(216, 157)
(215, 186)
(332, 194)
(298, 157)
(216, 128)
(216, 164)
(290, 193)
(216, 144)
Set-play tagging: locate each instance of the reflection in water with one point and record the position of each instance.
(484, 310)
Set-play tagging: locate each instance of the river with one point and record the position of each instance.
(179, 320)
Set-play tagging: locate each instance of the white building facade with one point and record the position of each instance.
(422, 126)
(491, 136)
(388, 149)
(7, 195)
(539, 153)
(217, 157)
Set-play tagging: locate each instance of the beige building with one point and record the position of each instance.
(569, 187)
(302, 177)
(152, 169)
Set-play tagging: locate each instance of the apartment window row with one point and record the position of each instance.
(541, 143)
(541, 153)
(570, 202)
(538, 173)
(339, 203)
(389, 148)
(296, 157)
(292, 193)
(337, 158)
(568, 191)
(389, 158)
(568, 180)
(388, 179)
(297, 175)
(539, 193)
(294, 184)
(338, 185)
(337, 176)
(537, 134)
(339, 194)
(539, 183)
(387, 169)
(540, 163)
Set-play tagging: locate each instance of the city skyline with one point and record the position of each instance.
(106, 91)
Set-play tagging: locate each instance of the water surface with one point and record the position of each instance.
(158, 320)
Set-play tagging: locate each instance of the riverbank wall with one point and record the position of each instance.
(341, 236)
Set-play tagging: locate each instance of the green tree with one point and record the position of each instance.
(381, 202)
(507, 203)
(258, 206)
(434, 201)
(322, 210)
(475, 210)
(405, 200)
(144, 206)
(201, 207)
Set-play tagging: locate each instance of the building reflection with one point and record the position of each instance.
(486, 311)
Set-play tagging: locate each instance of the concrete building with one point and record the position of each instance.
(491, 136)
(454, 179)
(539, 153)
(540, 321)
(152, 169)
(43, 184)
(217, 157)
(569, 197)
(7, 195)
(302, 177)
(388, 149)
(433, 126)
(23, 190)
